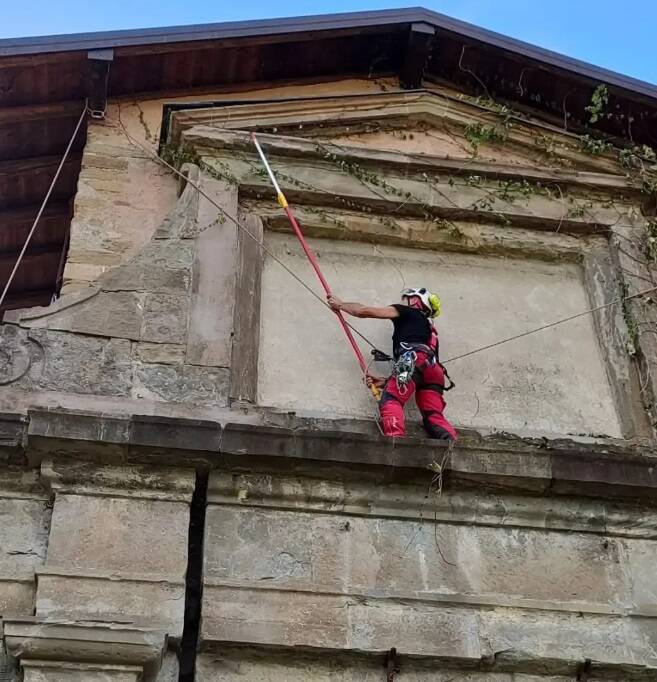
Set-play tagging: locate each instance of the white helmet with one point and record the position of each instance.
(430, 301)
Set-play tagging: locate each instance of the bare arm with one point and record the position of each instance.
(360, 310)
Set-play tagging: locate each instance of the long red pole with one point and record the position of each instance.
(307, 250)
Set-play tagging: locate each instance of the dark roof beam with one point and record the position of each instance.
(418, 50)
(38, 112)
(33, 255)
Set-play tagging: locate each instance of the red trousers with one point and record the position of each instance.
(426, 385)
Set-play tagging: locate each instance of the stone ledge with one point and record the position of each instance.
(600, 468)
(410, 502)
(400, 596)
(66, 475)
(113, 575)
(136, 438)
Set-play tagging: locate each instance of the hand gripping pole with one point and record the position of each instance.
(313, 261)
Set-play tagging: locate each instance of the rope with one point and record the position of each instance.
(291, 272)
(552, 324)
(43, 206)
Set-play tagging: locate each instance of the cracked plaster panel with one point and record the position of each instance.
(553, 382)
(123, 195)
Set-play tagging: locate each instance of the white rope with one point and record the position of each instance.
(43, 206)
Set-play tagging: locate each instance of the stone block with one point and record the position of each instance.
(172, 434)
(616, 644)
(80, 364)
(165, 318)
(158, 605)
(160, 267)
(330, 446)
(107, 313)
(77, 432)
(511, 639)
(182, 384)
(417, 559)
(16, 597)
(134, 482)
(24, 525)
(160, 353)
(125, 536)
(338, 623)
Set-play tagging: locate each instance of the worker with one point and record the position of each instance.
(416, 368)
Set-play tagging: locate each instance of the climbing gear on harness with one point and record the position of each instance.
(430, 301)
(313, 261)
(404, 368)
(400, 367)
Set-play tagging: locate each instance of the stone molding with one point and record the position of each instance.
(317, 116)
(148, 482)
(597, 468)
(38, 641)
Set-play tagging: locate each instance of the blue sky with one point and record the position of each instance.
(617, 35)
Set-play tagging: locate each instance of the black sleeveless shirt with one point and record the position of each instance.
(412, 326)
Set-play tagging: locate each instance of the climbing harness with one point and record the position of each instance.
(313, 261)
(405, 366)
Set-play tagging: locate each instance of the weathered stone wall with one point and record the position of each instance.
(318, 546)
(353, 563)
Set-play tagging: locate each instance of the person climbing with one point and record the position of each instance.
(417, 369)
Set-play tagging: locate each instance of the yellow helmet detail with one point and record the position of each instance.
(434, 302)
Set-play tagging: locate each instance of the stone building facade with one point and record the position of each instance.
(192, 483)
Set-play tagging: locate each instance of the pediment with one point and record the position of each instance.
(426, 122)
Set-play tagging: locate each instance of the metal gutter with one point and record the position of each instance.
(219, 31)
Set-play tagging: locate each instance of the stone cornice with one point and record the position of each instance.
(597, 469)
